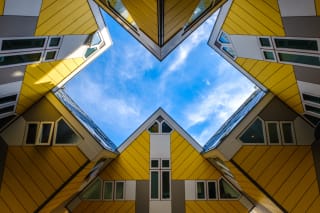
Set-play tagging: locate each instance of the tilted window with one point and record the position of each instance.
(254, 133)
(93, 191)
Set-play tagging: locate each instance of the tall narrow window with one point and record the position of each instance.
(212, 190)
(119, 190)
(108, 190)
(45, 133)
(32, 129)
(154, 184)
(298, 44)
(18, 44)
(273, 132)
(201, 194)
(165, 185)
(312, 60)
(160, 179)
(287, 132)
(93, 191)
(19, 58)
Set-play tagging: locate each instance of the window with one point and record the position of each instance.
(206, 190)
(65, 134)
(255, 133)
(108, 190)
(93, 191)
(226, 191)
(160, 127)
(32, 129)
(45, 133)
(154, 128)
(230, 51)
(265, 42)
(7, 109)
(273, 132)
(212, 190)
(119, 190)
(18, 44)
(311, 98)
(314, 120)
(299, 58)
(7, 99)
(312, 109)
(54, 41)
(50, 55)
(25, 58)
(298, 44)
(224, 38)
(224, 44)
(122, 11)
(268, 55)
(201, 194)
(160, 179)
(39, 133)
(287, 132)
(200, 9)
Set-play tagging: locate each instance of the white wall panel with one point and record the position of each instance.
(160, 146)
(22, 8)
(10, 88)
(160, 206)
(130, 190)
(190, 189)
(73, 46)
(309, 88)
(246, 46)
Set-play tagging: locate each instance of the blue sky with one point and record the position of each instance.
(126, 84)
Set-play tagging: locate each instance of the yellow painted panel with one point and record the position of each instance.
(266, 73)
(307, 199)
(65, 17)
(102, 206)
(228, 29)
(9, 198)
(299, 108)
(214, 206)
(1, 7)
(243, 153)
(317, 4)
(273, 4)
(187, 163)
(254, 157)
(314, 208)
(278, 76)
(290, 80)
(255, 18)
(132, 163)
(3, 206)
(67, 159)
(294, 101)
(77, 155)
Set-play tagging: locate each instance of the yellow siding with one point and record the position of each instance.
(287, 173)
(132, 163)
(41, 78)
(110, 207)
(278, 78)
(187, 163)
(32, 174)
(1, 7)
(64, 17)
(317, 4)
(214, 206)
(254, 17)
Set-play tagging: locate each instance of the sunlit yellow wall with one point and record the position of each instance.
(63, 17)
(254, 17)
(214, 206)
(187, 163)
(286, 173)
(132, 163)
(41, 78)
(1, 7)
(109, 206)
(278, 78)
(32, 174)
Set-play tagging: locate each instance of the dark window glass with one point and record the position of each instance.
(312, 109)
(32, 133)
(51, 55)
(212, 190)
(265, 42)
(227, 191)
(254, 134)
(273, 133)
(154, 185)
(93, 191)
(296, 44)
(19, 59)
(119, 190)
(268, 55)
(90, 51)
(6, 109)
(200, 190)
(165, 163)
(229, 51)
(107, 194)
(165, 184)
(287, 132)
(311, 98)
(154, 128)
(199, 10)
(7, 99)
(166, 128)
(22, 44)
(45, 133)
(154, 163)
(65, 135)
(300, 59)
(312, 119)
(54, 42)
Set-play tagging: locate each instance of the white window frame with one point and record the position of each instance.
(310, 102)
(268, 50)
(27, 130)
(159, 127)
(39, 134)
(264, 47)
(296, 50)
(112, 190)
(165, 168)
(115, 190)
(297, 53)
(159, 163)
(263, 130)
(54, 47)
(101, 190)
(216, 191)
(160, 171)
(278, 132)
(56, 132)
(230, 45)
(50, 50)
(292, 132)
(9, 103)
(23, 50)
(205, 189)
(21, 53)
(159, 182)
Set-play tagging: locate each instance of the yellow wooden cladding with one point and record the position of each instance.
(187, 163)
(103, 206)
(65, 17)
(254, 17)
(1, 7)
(41, 78)
(287, 173)
(33, 174)
(177, 13)
(132, 163)
(214, 206)
(317, 5)
(145, 14)
(278, 78)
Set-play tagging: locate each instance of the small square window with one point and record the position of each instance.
(268, 55)
(54, 42)
(265, 42)
(165, 164)
(154, 164)
(50, 55)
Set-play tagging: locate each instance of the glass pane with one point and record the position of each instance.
(107, 195)
(19, 59)
(118, 6)
(202, 6)
(32, 133)
(229, 51)
(300, 59)
(50, 55)
(54, 42)
(254, 134)
(119, 190)
(200, 190)
(287, 132)
(7, 109)
(22, 44)
(90, 51)
(212, 190)
(265, 42)
(154, 163)
(93, 191)
(165, 163)
(154, 185)
(7, 99)
(268, 55)
(45, 133)
(224, 38)
(296, 44)
(312, 119)
(166, 128)
(166, 185)
(312, 109)
(273, 133)
(311, 98)
(65, 135)
(96, 40)
(154, 128)
(227, 191)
